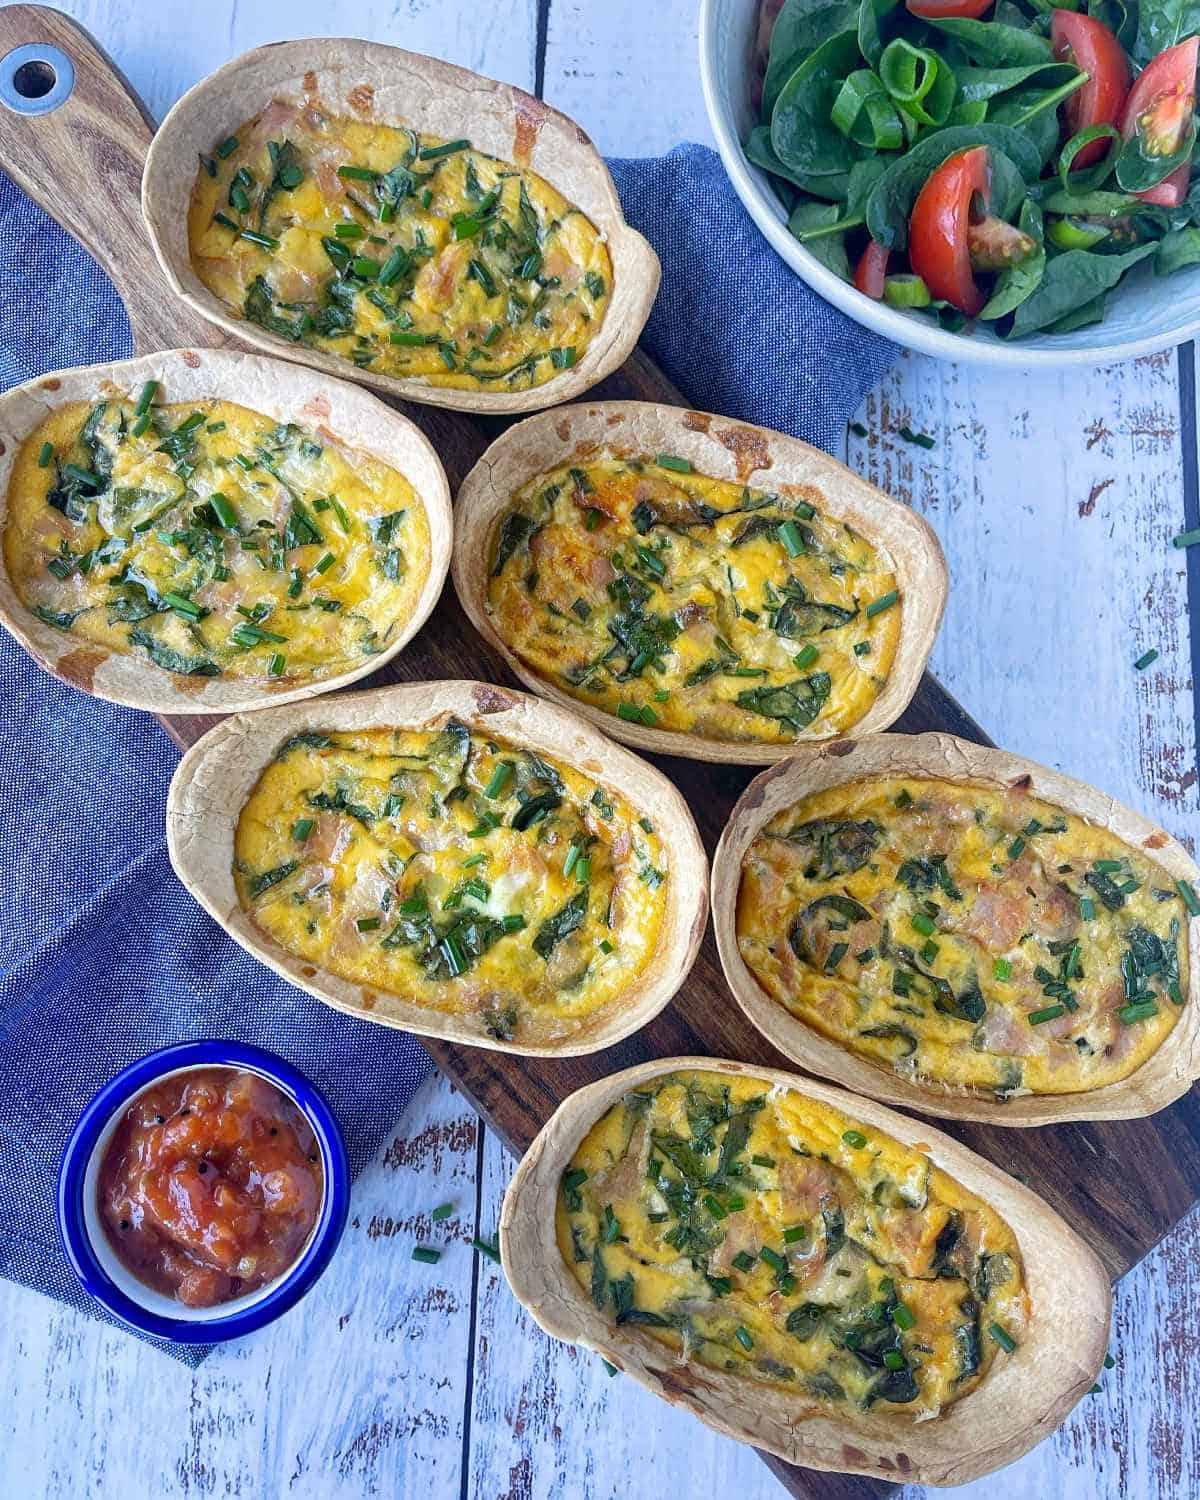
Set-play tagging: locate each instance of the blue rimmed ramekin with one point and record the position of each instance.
(93, 1258)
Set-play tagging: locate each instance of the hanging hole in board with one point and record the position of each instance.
(35, 79)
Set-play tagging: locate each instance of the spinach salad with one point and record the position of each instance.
(1007, 161)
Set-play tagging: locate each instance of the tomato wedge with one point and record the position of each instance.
(938, 231)
(1088, 44)
(1159, 110)
(871, 271)
(970, 9)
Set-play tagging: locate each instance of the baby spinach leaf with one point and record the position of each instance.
(760, 153)
(514, 537)
(795, 704)
(1120, 17)
(1179, 248)
(1072, 280)
(1083, 317)
(991, 44)
(1162, 23)
(1014, 160)
(988, 83)
(802, 132)
(170, 660)
(566, 920)
(872, 18)
(799, 29)
(1138, 170)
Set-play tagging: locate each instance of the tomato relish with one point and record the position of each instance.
(210, 1185)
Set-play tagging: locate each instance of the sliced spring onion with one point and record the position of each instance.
(1048, 1013)
(877, 606)
(905, 289)
(670, 461)
(426, 1256)
(1002, 1337)
(789, 536)
(499, 780)
(1145, 659)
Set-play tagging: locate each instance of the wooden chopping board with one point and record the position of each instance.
(1122, 1185)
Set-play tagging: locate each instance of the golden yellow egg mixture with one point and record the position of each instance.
(463, 874)
(764, 1233)
(403, 253)
(965, 937)
(211, 539)
(688, 603)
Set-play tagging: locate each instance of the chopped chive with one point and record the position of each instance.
(922, 923)
(1087, 908)
(609, 1369)
(475, 859)
(227, 147)
(743, 1261)
(400, 336)
(1109, 1362)
(145, 397)
(276, 665)
(1048, 1013)
(794, 1232)
(836, 954)
(930, 951)
(442, 1211)
(893, 1360)
(1002, 1337)
(426, 1256)
(583, 871)
(349, 231)
(83, 476)
(45, 455)
(1187, 538)
(255, 238)
(1188, 896)
(772, 1258)
(921, 439)
(364, 266)
(301, 829)
(592, 519)
(1016, 847)
(606, 947)
(669, 461)
(432, 153)
(789, 536)
(648, 716)
(223, 510)
(1145, 659)
(1003, 969)
(451, 950)
(877, 606)
(854, 1139)
(1141, 1010)
(805, 656)
(629, 712)
(514, 922)
(862, 648)
(357, 174)
(254, 635)
(903, 799)
(182, 606)
(743, 1338)
(486, 1247)
(763, 1161)
(714, 1207)
(902, 1317)
(368, 924)
(499, 780)
(323, 564)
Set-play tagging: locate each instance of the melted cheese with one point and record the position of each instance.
(313, 558)
(760, 1232)
(460, 874)
(688, 603)
(399, 252)
(965, 938)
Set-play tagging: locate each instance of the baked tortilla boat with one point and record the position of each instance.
(805, 1270)
(385, 216)
(201, 532)
(451, 858)
(693, 585)
(962, 931)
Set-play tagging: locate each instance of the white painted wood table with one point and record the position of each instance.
(1056, 497)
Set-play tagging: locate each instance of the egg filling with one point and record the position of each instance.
(459, 873)
(759, 1232)
(212, 540)
(681, 602)
(400, 252)
(966, 938)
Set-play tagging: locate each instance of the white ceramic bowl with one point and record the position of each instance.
(1144, 313)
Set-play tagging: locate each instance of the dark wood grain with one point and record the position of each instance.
(1123, 1185)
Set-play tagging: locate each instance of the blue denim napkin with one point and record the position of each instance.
(103, 955)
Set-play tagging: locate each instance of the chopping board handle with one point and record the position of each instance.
(74, 136)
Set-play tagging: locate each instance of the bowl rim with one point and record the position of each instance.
(908, 332)
(101, 1111)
